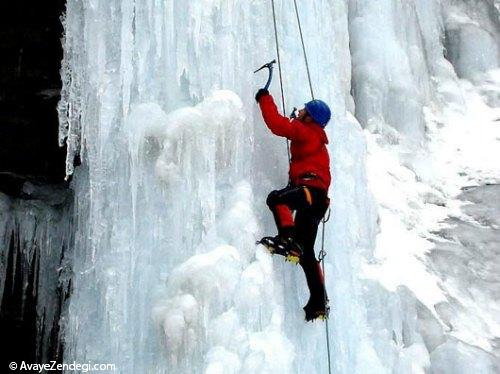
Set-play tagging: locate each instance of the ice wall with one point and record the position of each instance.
(403, 52)
(431, 134)
(472, 36)
(36, 234)
(158, 100)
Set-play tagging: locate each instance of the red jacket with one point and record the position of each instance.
(310, 164)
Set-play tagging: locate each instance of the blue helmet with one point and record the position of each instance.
(319, 111)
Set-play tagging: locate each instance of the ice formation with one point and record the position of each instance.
(158, 101)
(35, 234)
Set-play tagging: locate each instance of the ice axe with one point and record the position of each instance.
(270, 66)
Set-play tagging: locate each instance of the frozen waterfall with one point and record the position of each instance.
(158, 101)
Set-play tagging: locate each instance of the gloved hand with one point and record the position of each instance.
(261, 93)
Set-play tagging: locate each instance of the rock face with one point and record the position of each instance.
(31, 50)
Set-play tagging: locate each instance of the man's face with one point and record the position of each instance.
(303, 115)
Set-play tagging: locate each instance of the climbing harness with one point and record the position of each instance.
(325, 219)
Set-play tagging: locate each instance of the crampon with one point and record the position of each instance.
(284, 247)
(317, 310)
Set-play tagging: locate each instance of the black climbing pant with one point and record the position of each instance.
(310, 205)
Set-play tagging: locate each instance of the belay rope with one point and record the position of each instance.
(280, 75)
(303, 48)
(321, 257)
(325, 219)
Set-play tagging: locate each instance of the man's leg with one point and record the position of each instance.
(306, 223)
(306, 232)
(282, 203)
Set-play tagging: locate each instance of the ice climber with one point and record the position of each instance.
(306, 192)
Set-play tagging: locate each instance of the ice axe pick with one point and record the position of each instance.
(270, 66)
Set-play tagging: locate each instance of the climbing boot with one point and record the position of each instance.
(286, 247)
(317, 308)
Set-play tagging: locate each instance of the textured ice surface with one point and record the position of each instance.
(158, 100)
(35, 235)
(465, 260)
(455, 356)
(472, 36)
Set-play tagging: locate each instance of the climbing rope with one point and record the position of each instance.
(303, 48)
(321, 257)
(280, 75)
(322, 253)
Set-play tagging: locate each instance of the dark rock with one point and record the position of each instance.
(31, 50)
